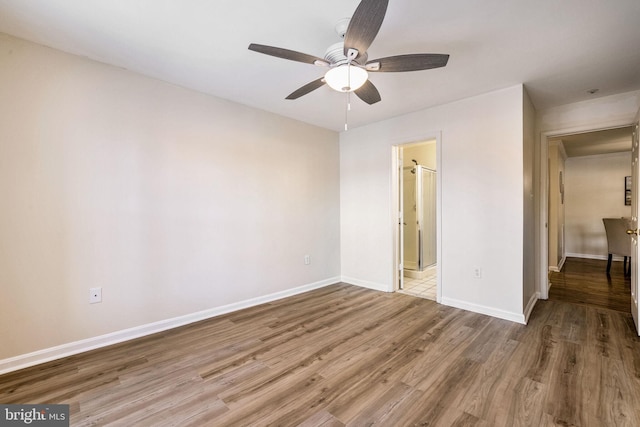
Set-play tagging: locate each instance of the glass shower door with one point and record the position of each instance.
(427, 221)
(410, 218)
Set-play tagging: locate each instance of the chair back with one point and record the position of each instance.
(618, 241)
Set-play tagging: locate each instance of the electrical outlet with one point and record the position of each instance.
(307, 259)
(95, 295)
(477, 272)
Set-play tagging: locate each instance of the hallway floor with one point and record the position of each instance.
(586, 282)
(423, 288)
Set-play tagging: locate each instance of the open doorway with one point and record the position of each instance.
(417, 231)
(585, 183)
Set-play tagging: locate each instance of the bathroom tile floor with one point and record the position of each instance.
(423, 288)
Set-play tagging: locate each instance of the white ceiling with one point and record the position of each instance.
(558, 48)
(600, 142)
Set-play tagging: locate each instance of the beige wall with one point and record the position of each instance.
(594, 189)
(172, 201)
(424, 153)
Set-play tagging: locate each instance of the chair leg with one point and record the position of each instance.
(609, 263)
(624, 265)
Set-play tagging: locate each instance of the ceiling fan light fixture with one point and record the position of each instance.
(346, 78)
(348, 60)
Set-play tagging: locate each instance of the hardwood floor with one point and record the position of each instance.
(344, 355)
(585, 281)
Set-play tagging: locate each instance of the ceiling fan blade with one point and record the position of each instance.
(287, 54)
(309, 87)
(364, 26)
(414, 62)
(368, 93)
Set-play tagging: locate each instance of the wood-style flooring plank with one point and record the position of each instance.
(565, 398)
(321, 419)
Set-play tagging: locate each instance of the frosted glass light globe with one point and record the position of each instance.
(346, 78)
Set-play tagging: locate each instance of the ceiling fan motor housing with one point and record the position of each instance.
(335, 55)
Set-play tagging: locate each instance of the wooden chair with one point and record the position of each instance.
(618, 241)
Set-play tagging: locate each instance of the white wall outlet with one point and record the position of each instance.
(95, 295)
(477, 272)
(307, 259)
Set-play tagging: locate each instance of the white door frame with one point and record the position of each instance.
(395, 202)
(635, 252)
(543, 163)
(398, 216)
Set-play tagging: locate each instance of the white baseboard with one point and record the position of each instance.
(558, 269)
(415, 274)
(590, 256)
(562, 261)
(464, 305)
(410, 265)
(481, 309)
(365, 284)
(529, 308)
(69, 349)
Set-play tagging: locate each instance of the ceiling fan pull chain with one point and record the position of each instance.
(349, 85)
(346, 111)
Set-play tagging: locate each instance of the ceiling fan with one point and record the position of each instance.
(348, 61)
